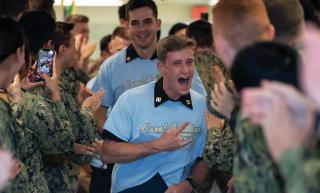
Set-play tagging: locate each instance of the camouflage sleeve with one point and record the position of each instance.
(301, 171)
(49, 120)
(218, 152)
(58, 137)
(12, 139)
(87, 134)
(7, 130)
(253, 170)
(70, 80)
(89, 126)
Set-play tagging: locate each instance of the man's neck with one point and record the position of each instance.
(145, 53)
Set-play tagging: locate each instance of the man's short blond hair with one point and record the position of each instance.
(240, 22)
(173, 43)
(122, 32)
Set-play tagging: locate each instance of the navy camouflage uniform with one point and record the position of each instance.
(83, 128)
(300, 169)
(48, 132)
(12, 139)
(254, 169)
(218, 153)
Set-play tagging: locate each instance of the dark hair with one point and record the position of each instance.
(177, 27)
(104, 42)
(286, 16)
(12, 8)
(316, 3)
(265, 60)
(158, 35)
(136, 4)
(39, 28)
(62, 35)
(309, 11)
(201, 32)
(171, 44)
(12, 37)
(77, 19)
(122, 12)
(43, 5)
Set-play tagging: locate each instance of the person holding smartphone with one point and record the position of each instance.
(47, 128)
(82, 121)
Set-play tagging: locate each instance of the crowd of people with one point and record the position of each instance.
(233, 101)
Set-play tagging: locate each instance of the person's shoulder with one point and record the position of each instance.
(3, 105)
(206, 56)
(40, 91)
(140, 91)
(6, 117)
(197, 96)
(198, 99)
(4, 109)
(143, 89)
(36, 103)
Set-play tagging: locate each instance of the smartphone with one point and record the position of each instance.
(44, 65)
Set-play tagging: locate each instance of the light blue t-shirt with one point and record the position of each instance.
(116, 76)
(91, 82)
(135, 119)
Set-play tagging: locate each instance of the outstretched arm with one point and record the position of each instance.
(122, 152)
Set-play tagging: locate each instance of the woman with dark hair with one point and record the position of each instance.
(11, 136)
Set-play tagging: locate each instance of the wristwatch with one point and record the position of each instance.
(192, 182)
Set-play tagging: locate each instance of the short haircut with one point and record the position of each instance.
(77, 19)
(104, 42)
(177, 27)
(286, 16)
(12, 8)
(42, 5)
(122, 32)
(265, 60)
(310, 12)
(240, 22)
(171, 44)
(12, 37)
(136, 4)
(39, 28)
(122, 12)
(62, 35)
(201, 32)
